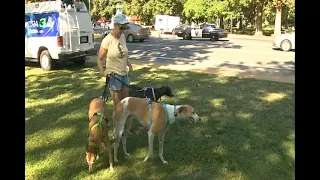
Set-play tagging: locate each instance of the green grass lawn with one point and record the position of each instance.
(247, 128)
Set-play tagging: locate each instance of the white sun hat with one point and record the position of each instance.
(120, 19)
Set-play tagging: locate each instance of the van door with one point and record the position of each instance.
(80, 29)
(86, 31)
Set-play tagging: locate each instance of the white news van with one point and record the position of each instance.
(57, 31)
(166, 23)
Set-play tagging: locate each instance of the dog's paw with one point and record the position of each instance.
(111, 170)
(128, 154)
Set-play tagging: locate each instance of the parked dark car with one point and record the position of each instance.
(203, 31)
(179, 28)
(133, 33)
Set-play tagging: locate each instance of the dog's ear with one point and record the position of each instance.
(182, 109)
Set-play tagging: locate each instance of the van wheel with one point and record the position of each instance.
(130, 38)
(80, 60)
(46, 62)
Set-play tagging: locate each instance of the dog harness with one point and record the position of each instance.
(102, 116)
(166, 111)
(145, 92)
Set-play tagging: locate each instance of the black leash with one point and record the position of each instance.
(104, 94)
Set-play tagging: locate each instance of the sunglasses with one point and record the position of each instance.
(123, 27)
(120, 51)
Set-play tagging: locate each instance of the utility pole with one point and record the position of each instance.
(89, 6)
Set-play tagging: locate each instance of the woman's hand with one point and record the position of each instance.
(104, 73)
(130, 73)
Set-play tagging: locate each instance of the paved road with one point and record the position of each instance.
(232, 56)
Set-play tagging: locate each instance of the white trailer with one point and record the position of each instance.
(166, 23)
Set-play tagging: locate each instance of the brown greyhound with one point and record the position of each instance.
(98, 132)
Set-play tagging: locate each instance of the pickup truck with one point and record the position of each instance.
(203, 31)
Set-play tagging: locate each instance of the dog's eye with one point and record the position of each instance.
(193, 112)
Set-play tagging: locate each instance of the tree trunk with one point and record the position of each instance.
(231, 22)
(277, 24)
(221, 22)
(259, 20)
(240, 25)
(287, 23)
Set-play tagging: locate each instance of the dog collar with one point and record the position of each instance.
(150, 107)
(102, 116)
(175, 112)
(93, 144)
(167, 114)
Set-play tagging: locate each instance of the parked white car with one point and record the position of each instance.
(285, 42)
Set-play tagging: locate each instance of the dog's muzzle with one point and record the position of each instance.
(191, 119)
(90, 167)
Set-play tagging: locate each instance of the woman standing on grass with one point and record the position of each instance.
(114, 48)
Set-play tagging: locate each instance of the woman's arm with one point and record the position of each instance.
(102, 53)
(129, 65)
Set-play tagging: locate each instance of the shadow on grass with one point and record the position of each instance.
(247, 128)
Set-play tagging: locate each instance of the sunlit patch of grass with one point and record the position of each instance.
(221, 79)
(184, 92)
(44, 138)
(273, 158)
(61, 99)
(289, 148)
(243, 115)
(273, 97)
(97, 35)
(218, 103)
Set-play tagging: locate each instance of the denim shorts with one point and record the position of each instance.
(114, 84)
